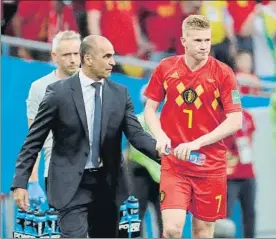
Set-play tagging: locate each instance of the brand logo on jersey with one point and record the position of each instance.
(175, 75)
(236, 99)
(210, 80)
(162, 196)
(189, 96)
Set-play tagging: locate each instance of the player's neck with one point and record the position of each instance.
(192, 63)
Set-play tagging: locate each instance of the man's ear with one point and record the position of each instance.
(183, 40)
(88, 59)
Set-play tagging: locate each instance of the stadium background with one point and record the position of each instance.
(17, 74)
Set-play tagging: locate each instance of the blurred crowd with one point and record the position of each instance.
(243, 32)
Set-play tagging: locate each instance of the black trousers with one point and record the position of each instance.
(243, 190)
(146, 190)
(92, 211)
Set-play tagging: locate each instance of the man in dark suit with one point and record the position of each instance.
(87, 114)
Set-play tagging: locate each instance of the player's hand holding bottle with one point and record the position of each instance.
(182, 151)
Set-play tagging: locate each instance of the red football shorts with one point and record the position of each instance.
(205, 198)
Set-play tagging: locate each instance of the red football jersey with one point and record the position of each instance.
(240, 10)
(166, 14)
(195, 104)
(117, 24)
(240, 164)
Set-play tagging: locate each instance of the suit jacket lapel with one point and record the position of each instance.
(106, 106)
(79, 102)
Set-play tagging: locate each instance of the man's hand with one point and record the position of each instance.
(36, 194)
(21, 198)
(182, 151)
(163, 142)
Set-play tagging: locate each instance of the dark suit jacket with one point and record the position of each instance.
(62, 111)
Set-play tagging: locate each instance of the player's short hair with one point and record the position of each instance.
(195, 22)
(64, 35)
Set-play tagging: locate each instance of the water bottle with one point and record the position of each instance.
(124, 223)
(133, 213)
(197, 158)
(39, 224)
(28, 225)
(20, 221)
(52, 221)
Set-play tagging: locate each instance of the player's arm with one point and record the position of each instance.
(152, 119)
(231, 102)
(229, 29)
(143, 44)
(229, 126)
(94, 17)
(155, 94)
(16, 25)
(248, 26)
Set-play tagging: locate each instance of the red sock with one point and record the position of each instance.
(163, 236)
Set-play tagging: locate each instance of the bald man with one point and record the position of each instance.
(87, 114)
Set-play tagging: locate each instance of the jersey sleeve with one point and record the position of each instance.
(33, 102)
(94, 5)
(229, 92)
(155, 89)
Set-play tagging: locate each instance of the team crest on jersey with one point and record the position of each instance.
(189, 95)
(162, 196)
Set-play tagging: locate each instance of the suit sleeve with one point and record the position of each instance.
(34, 141)
(139, 139)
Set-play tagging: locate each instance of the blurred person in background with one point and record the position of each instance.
(261, 26)
(144, 176)
(8, 9)
(81, 16)
(117, 20)
(241, 182)
(223, 36)
(65, 53)
(249, 83)
(239, 10)
(41, 21)
(160, 20)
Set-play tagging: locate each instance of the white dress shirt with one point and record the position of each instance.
(88, 92)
